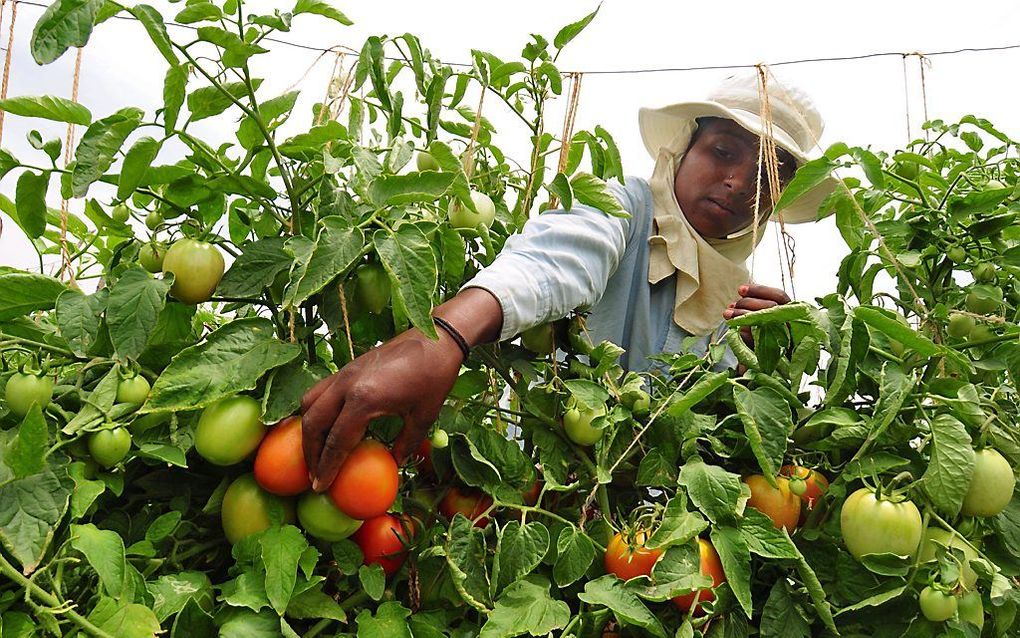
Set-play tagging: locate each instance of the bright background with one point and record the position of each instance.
(864, 102)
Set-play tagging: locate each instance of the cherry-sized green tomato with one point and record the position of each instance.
(372, 287)
(121, 213)
(248, 509)
(540, 339)
(197, 267)
(25, 390)
(936, 605)
(463, 217)
(426, 162)
(150, 256)
(983, 299)
(321, 518)
(153, 220)
(873, 526)
(992, 486)
(956, 254)
(109, 447)
(229, 430)
(972, 609)
(577, 423)
(960, 325)
(984, 272)
(133, 389)
(440, 439)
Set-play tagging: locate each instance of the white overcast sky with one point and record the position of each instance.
(862, 101)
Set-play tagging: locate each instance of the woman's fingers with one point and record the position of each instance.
(752, 303)
(345, 434)
(318, 412)
(767, 293)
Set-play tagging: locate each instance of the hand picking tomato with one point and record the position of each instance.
(470, 503)
(197, 267)
(366, 485)
(627, 557)
(248, 509)
(780, 504)
(321, 518)
(380, 541)
(991, 487)
(109, 447)
(229, 430)
(280, 462)
(878, 526)
(25, 389)
(937, 605)
(710, 566)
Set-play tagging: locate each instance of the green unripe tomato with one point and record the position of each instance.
(248, 509)
(935, 536)
(121, 213)
(991, 487)
(463, 217)
(426, 162)
(153, 220)
(641, 405)
(936, 605)
(981, 332)
(109, 447)
(877, 526)
(229, 430)
(26, 389)
(956, 254)
(150, 256)
(983, 299)
(440, 439)
(984, 272)
(972, 609)
(134, 389)
(906, 169)
(197, 267)
(577, 423)
(372, 287)
(960, 325)
(321, 518)
(540, 339)
(798, 486)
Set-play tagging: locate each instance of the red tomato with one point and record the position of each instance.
(531, 495)
(815, 483)
(367, 483)
(710, 566)
(781, 505)
(380, 541)
(280, 463)
(470, 503)
(628, 558)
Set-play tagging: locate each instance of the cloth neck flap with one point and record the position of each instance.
(708, 271)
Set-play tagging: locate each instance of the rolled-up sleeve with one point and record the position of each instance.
(559, 261)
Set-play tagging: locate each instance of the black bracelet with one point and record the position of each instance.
(457, 337)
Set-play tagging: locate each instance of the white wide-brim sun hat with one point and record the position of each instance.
(796, 127)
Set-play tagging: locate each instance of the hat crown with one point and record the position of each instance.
(792, 110)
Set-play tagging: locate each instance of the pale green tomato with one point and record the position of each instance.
(229, 430)
(935, 536)
(197, 267)
(133, 390)
(463, 217)
(991, 488)
(577, 423)
(25, 389)
(109, 447)
(248, 509)
(540, 339)
(321, 518)
(426, 162)
(873, 526)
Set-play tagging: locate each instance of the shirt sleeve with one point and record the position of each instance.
(559, 261)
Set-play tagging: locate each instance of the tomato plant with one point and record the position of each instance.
(778, 503)
(812, 484)
(229, 430)
(936, 537)
(248, 509)
(710, 565)
(366, 485)
(280, 462)
(627, 557)
(25, 389)
(577, 421)
(873, 525)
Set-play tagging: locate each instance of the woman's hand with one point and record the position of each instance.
(754, 297)
(408, 376)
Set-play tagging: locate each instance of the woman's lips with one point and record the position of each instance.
(722, 207)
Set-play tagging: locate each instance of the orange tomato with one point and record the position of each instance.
(710, 566)
(367, 483)
(628, 557)
(470, 503)
(781, 505)
(280, 462)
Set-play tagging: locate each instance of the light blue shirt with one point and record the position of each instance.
(563, 260)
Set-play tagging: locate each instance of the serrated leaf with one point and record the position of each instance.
(23, 292)
(949, 472)
(408, 258)
(136, 300)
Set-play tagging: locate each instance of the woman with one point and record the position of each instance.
(672, 270)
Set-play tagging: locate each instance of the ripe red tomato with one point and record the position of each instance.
(627, 556)
(530, 496)
(380, 541)
(247, 509)
(197, 268)
(781, 505)
(710, 566)
(280, 463)
(815, 483)
(468, 502)
(367, 483)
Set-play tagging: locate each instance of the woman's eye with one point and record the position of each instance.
(724, 153)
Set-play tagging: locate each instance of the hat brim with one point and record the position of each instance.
(658, 128)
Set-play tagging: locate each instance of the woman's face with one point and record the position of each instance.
(716, 180)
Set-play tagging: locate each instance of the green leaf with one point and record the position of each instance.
(171, 592)
(281, 550)
(808, 176)
(245, 623)
(286, 386)
(729, 543)
(592, 191)
(315, 604)
(173, 94)
(136, 300)
(30, 199)
(273, 112)
(199, 12)
(574, 555)
(764, 539)
(390, 621)
(136, 163)
(255, 268)
(99, 146)
(48, 107)
(26, 454)
(407, 256)
(560, 187)
(519, 551)
(99, 403)
(152, 20)
(373, 580)
(466, 557)
(208, 101)
(64, 24)
(949, 472)
(124, 620)
(526, 608)
(677, 572)
(336, 250)
(23, 292)
(894, 329)
(714, 490)
(78, 318)
(609, 591)
(30, 510)
(193, 621)
(236, 51)
(413, 188)
(678, 526)
(86, 491)
(571, 31)
(104, 550)
(322, 8)
(232, 359)
(701, 389)
(781, 617)
(767, 420)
